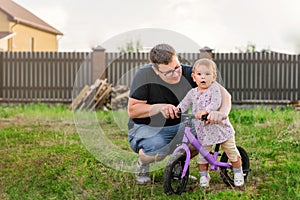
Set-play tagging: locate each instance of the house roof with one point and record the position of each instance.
(5, 34)
(20, 15)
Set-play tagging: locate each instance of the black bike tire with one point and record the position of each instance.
(224, 172)
(179, 158)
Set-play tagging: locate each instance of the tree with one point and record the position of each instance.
(250, 48)
(131, 47)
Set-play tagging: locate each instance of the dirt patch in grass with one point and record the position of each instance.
(12, 121)
(20, 120)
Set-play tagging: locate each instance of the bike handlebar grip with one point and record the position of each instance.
(204, 117)
(192, 116)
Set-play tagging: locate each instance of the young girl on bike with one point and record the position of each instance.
(204, 99)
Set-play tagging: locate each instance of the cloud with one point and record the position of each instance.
(222, 25)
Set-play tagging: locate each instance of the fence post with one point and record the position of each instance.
(206, 52)
(98, 63)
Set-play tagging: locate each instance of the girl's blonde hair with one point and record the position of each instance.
(206, 62)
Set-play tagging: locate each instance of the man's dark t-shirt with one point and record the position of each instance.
(147, 85)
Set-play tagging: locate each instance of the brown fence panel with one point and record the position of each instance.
(188, 58)
(260, 77)
(122, 67)
(39, 76)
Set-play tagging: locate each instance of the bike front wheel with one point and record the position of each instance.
(173, 183)
(227, 173)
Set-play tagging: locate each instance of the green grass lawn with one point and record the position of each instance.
(42, 156)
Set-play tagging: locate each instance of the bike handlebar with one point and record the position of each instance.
(192, 116)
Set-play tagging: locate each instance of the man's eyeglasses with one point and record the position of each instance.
(170, 72)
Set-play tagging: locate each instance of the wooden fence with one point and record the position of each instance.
(40, 76)
(260, 77)
(52, 77)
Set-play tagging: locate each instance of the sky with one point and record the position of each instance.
(223, 25)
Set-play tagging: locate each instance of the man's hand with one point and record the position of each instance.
(169, 111)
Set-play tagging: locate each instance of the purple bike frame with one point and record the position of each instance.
(212, 160)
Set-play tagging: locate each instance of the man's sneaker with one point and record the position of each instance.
(238, 179)
(142, 175)
(204, 181)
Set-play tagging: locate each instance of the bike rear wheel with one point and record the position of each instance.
(173, 183)
(227, 173)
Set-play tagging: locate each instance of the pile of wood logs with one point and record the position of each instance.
(101, 95)
(119, 97)
(295, 104)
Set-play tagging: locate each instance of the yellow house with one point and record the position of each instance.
(21, 30)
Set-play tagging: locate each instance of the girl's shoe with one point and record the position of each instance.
(204, 181)
(238, 179)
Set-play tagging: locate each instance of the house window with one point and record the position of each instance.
(32, 44)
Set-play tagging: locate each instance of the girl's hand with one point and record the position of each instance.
(216, 117)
